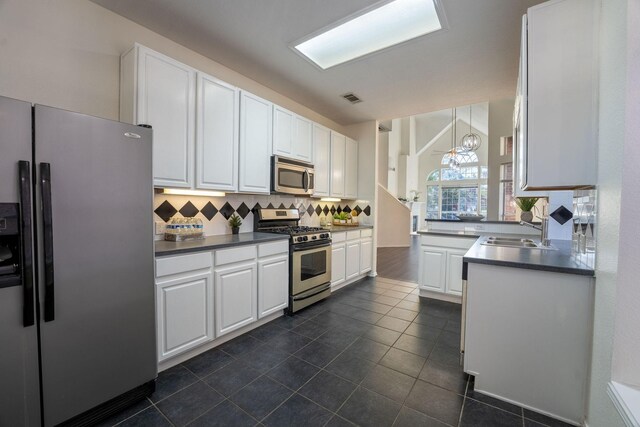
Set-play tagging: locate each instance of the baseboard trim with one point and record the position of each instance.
(443, 297)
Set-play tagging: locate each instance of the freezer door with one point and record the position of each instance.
(95, 258)
(19, 383)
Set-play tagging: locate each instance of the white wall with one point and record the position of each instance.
(626, 356)
(383, 159)
(613, 62)
(500, 124)
(66, 54)
(395, 142)
(367, 135)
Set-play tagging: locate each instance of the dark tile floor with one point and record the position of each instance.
(400, 263)
(373, 354)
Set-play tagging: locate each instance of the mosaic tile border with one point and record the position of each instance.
(166, 210)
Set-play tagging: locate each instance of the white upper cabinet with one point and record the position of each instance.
(218, 109)
(255, 143)
(303, 139)
(338, 147)
(292, 135)
(560, 58)
(351, 169)
(159, 91)
(321, 159)
(282, 131)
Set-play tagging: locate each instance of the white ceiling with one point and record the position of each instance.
(475, 60)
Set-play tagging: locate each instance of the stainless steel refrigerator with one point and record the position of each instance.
(77, 313)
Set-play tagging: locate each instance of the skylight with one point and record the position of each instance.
(387, 25)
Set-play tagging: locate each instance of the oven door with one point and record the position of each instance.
(310, 266)
(291, 177)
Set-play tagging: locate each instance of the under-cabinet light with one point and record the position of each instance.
(383, 25)
(330, 199)
(181, 192)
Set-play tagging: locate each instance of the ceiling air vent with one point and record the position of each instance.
(382, 128)
(351, 98)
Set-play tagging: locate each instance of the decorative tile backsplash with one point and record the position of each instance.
(215, 211)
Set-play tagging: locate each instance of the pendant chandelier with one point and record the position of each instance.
(454, 163)
(471, 141)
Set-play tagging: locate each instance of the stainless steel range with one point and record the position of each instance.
(309, 255)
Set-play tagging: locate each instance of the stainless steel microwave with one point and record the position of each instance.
(291, 177)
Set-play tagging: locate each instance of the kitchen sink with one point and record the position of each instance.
(510, 242)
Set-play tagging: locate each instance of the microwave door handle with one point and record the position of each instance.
(305, 180)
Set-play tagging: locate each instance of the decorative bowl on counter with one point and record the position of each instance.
(469, 217)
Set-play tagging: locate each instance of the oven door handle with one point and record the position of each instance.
(307, 246)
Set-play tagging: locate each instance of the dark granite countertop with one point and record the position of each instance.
(483, 221)
(163, 248)
(561, 260)
(452, 233)
(340, 228)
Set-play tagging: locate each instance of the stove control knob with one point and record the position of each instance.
(314, 237)
(305, 238)
(299, 239)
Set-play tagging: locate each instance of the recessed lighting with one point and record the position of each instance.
(373, 29)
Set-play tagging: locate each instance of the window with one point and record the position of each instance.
(450, 192)
(462, 157)
(507, 201)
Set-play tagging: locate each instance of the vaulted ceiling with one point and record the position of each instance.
(474, 60)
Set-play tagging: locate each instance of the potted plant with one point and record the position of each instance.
(235, 222)
(415, 195)
(526, 204)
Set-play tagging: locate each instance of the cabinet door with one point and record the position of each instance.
(184, 313)
(255, 144)
(218, 107)
(236, 296)
(273, 284)
(321, 159)
(283, 121)
(562, 60)
(338, 146)
(366, 255)
(302, 139)
(432, 269)
(338, 263)
(351, 169)
(166, 101)
(454, 271)
(353, 259)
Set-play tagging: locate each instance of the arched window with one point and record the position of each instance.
(451, 191)
(462, 157)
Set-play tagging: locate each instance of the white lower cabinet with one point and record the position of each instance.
(351, 255)
(352, 259)
(198, 299)
(273, 284)
(433, 269)
(366, 255)
(236, 290)
(454, 271)
(184, 302)
(338, 259)
(441, 260)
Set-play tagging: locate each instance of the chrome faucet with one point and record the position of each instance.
(544, 230)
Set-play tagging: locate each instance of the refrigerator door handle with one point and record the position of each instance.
(47, 239)
(26, 271)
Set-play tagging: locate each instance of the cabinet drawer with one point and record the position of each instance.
(275, 248)
(166, 266)
(228, 256)
(367, 232)
(338, 237)
(351, 235)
